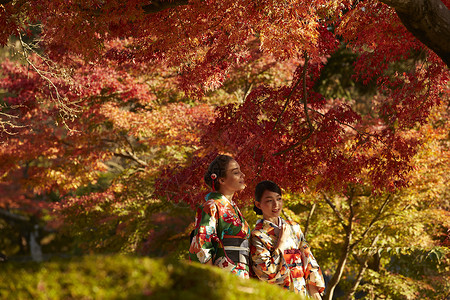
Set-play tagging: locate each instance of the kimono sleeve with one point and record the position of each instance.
(204, 243)
(313, 273)
(267, 265)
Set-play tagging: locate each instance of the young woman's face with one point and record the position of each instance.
(271, 205)
(234, 178)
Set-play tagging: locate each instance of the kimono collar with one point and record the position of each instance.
(218, 196)
(267, 222)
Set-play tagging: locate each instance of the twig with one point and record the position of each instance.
(310, 132)
(65, 111)
(41, 73)
(4, 124)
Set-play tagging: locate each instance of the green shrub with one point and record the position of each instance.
(128, 277)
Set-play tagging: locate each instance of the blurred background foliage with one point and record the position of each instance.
(120, 242)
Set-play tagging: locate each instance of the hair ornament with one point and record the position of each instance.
(213, 177)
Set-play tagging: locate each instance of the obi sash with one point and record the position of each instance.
(236, 248)
(294, 262)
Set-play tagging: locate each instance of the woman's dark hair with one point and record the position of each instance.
(219, 167)
(261, 188)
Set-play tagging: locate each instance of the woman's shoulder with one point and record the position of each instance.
(214, 200)
(213, 196)
(290, 222)
(258, 227)
(294, 225)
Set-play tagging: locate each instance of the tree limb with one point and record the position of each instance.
(288, 99)
(374, 220)
(6, 125)
(157, 6)
(362, 269)
(428, 21)
(305, 107)
(305, 96)
(132, 156)
(332, 284)
(336, 211)
(11, 216)
(311, 212)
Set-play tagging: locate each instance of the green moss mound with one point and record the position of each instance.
(128, 277)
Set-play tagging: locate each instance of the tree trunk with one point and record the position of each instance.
(365, 262)
(331, 286)
(355, 285)
(428, 21)
(35, 247)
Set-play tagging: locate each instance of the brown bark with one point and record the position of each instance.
(157, 6)
(362, 270)
(347, 247)
(428, 21)
(347, 224)
(331, 286)
(311, 212)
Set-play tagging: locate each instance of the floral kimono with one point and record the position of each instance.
(293, 267)
(221, 234)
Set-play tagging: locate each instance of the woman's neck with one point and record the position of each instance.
(227, 194)
(274, 220)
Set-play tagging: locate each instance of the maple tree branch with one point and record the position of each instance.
(350, 203)
(11, 216)
(305, 96)
(428, 21)
(374, 220)
(5, 125)
(157, 6)
(363, 267)
(216, 24)
(132, 156)
(127, 140)
(288, 98)
(310, 214)
(305, 107)
(336, 211)
(69, 112)
(342, 123)
(348, 229)
(152, 8)
(323, 115)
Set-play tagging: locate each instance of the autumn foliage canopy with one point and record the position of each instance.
(99, 57)
(142, 81)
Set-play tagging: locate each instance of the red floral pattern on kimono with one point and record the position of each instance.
(216, 219)
(292, 265)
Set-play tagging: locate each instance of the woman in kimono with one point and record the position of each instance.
(279, 252)
(221, 233)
